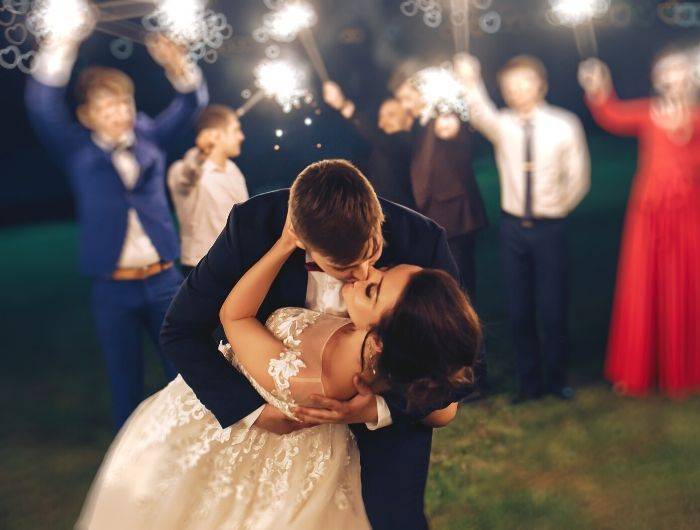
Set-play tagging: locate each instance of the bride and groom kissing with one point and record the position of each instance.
(322, 418)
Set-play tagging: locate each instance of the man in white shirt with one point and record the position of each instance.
(544, 169)
(114, 159)
(206, 184)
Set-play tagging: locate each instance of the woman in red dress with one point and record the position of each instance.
(655, 329)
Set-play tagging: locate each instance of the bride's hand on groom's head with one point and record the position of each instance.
(362, 408)
(289, 239)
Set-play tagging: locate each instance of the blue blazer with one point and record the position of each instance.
(394, 459)
(102, 200)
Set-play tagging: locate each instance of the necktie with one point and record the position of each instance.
(528, 167)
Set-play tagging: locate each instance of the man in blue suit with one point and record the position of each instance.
(115, 160)
(343, 238)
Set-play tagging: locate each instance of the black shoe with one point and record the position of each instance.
(524, 397)
(565, 393)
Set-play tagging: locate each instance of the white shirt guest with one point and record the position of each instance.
(206, 184)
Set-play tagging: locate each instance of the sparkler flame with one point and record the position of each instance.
(60, 19)
(441, 92)
(283, 82)
(182, 19)
(575, 12)
(286, 23)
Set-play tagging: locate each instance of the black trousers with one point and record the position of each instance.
(535, 268)
(463, 249)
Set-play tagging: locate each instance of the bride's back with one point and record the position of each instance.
(304, 364)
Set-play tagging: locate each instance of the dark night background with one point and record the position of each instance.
(360, 41)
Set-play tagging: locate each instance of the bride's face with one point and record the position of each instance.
(368, 300)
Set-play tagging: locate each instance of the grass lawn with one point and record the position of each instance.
(600, 462)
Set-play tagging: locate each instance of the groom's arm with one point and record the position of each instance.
(193, 316)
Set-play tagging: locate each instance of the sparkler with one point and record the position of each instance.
(579, 14)
(278, 80)
(292, 20)
(441, 92)
(460, 17)
(60, 19)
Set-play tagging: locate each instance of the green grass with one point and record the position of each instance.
(600, 462)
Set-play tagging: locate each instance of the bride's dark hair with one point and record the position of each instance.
(428, 342)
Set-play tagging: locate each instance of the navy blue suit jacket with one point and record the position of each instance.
(102, 201)
(394, 459)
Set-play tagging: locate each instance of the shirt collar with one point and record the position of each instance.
(125, 142)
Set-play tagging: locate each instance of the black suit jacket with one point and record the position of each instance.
(394, 459)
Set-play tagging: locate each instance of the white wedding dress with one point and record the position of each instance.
(172, 467)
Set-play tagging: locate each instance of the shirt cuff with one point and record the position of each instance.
(383, 415)
(189, 80)
(54, 64)
(251, 418)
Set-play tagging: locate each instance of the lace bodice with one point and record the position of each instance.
(288, 377)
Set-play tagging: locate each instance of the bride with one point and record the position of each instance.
(173, 467)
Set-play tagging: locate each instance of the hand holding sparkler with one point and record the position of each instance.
(334, 97)
(579, 14)
(594, 77)
(467, 69)
(171, 56)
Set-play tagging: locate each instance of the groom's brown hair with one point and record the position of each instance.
(335, 211)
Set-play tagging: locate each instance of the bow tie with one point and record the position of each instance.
(311, 266)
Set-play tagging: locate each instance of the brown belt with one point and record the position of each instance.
(141, 273)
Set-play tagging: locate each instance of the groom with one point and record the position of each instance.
(345, 229)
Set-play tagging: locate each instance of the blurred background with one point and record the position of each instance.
(600, 461)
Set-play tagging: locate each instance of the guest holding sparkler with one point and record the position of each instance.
(389, 162)
(206, 184)
(443, 181)
(654, 333)
(544, 170)
(115, 160)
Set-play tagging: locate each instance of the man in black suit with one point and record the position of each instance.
(345, 230)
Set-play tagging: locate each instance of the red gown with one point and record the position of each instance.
(655, 328)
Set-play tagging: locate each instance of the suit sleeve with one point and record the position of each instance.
(190, 322)
(51, 119)
(179, 116)
(619, 117)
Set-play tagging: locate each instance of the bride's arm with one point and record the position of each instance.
(243, 331)
(442, 417)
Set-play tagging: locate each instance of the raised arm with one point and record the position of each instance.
(618, 117)
(45, 98)
(483, 114)
(187, 80)
(246, 335)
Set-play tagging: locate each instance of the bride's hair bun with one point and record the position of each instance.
(428, 342)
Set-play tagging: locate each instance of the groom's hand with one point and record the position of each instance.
(360, 409)
(273, 420)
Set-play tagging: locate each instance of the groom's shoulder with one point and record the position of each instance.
(402, 220)
(264, 205)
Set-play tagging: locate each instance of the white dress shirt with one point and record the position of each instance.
(53, 68)
(561, 165)
(323, 295)
(203, 196)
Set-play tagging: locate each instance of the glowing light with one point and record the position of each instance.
(308, 121)
(277, 147)
(191, 24)
(575, 12)
(284, 24)
(318, 146)
(181, 18)
(279, 133)
(441, 92)
(60, 19)
(281, 81)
